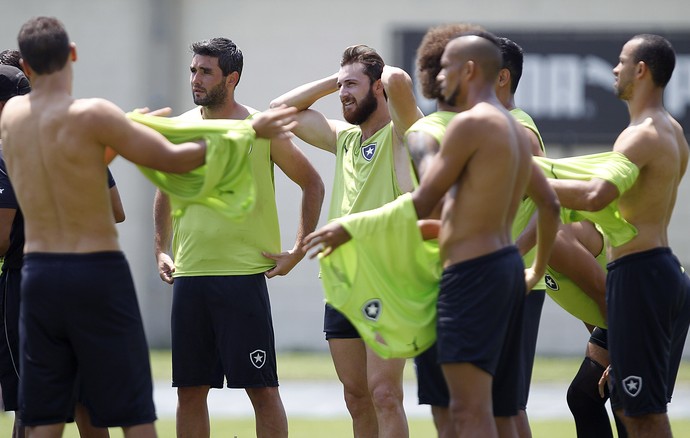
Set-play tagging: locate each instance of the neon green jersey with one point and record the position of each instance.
(205, 241)
(613, 167)
(364, 173)
(386, 279)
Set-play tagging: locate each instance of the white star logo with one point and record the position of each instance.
(372, 309)
(258, 358)
(632, 385)
(550, 282)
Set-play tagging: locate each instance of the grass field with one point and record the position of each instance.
(318, 366)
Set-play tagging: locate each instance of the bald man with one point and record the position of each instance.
(483, 284)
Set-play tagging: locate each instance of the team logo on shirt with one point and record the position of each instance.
(258, 358)
(368, 151)
(550, 282)
(632, 385)
(372, 309)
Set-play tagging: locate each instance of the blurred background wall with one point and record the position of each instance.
(136, 53)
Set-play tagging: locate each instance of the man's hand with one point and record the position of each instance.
(275, 122)
(285, 261)
(604, 381)
(166, 268)
(531, 279)
(328, 237)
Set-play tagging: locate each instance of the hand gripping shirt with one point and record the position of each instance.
(613, 167)
(224, 212)
(386, 279)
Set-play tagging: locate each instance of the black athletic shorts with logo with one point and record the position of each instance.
(337, 326)
(80, 325)
(222, 327)
(480, 307)
(648, 297)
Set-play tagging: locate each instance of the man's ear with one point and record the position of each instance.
(503, 77)
(73, 52)
(233, 78)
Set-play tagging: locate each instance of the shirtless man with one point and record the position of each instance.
(79, 308)
(647, 329)
(483, 285)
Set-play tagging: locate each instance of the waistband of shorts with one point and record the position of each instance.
(73, 256)
(465, 264)
(639, 256)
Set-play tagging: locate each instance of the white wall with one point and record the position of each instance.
(136, 53)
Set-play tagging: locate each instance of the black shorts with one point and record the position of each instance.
(480, 307)
(431, 385)
(9, 337)
(530, 330)
(80, 313)
(222, 327)
(337, 326)
(648, 299)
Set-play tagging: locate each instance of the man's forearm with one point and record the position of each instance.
(306, 95)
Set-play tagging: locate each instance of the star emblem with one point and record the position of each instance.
(258, 358)
(550, 282)
(632, 385)
(372, 309)
(368, 151)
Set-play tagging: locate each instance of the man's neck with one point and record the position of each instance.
(639, 106)
(377, 120)
(230, 110)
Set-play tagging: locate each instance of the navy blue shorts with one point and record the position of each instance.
(337, 326)
(648, 299)
(222, 327)
(80, 313)
(480, 307)
(9, 337)
(431, 385)
(530, 330)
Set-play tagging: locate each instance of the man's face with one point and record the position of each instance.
(449, 77)
(356, 94)
(208, 83)
(625, 71)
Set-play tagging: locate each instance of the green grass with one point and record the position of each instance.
(318, 366)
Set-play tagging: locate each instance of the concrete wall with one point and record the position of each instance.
(136, 54)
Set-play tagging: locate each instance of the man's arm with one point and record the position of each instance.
(548, 221)
(313, 127)
(402, 105)
(6, 219)
(295, 165)
(116, 203)
(591, 195)
(162, 236)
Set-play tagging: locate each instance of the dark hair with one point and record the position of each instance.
(657, 52)
(429, 55)
(44, 44)
(512, 61)
(11, 57)
(230, 58)
(365, 55)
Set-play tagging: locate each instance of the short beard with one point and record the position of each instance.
(215, 97)
(365, 108)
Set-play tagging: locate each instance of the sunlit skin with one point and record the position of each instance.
(356, 94)
(625, 71)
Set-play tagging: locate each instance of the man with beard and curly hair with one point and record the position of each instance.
(372, 168)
